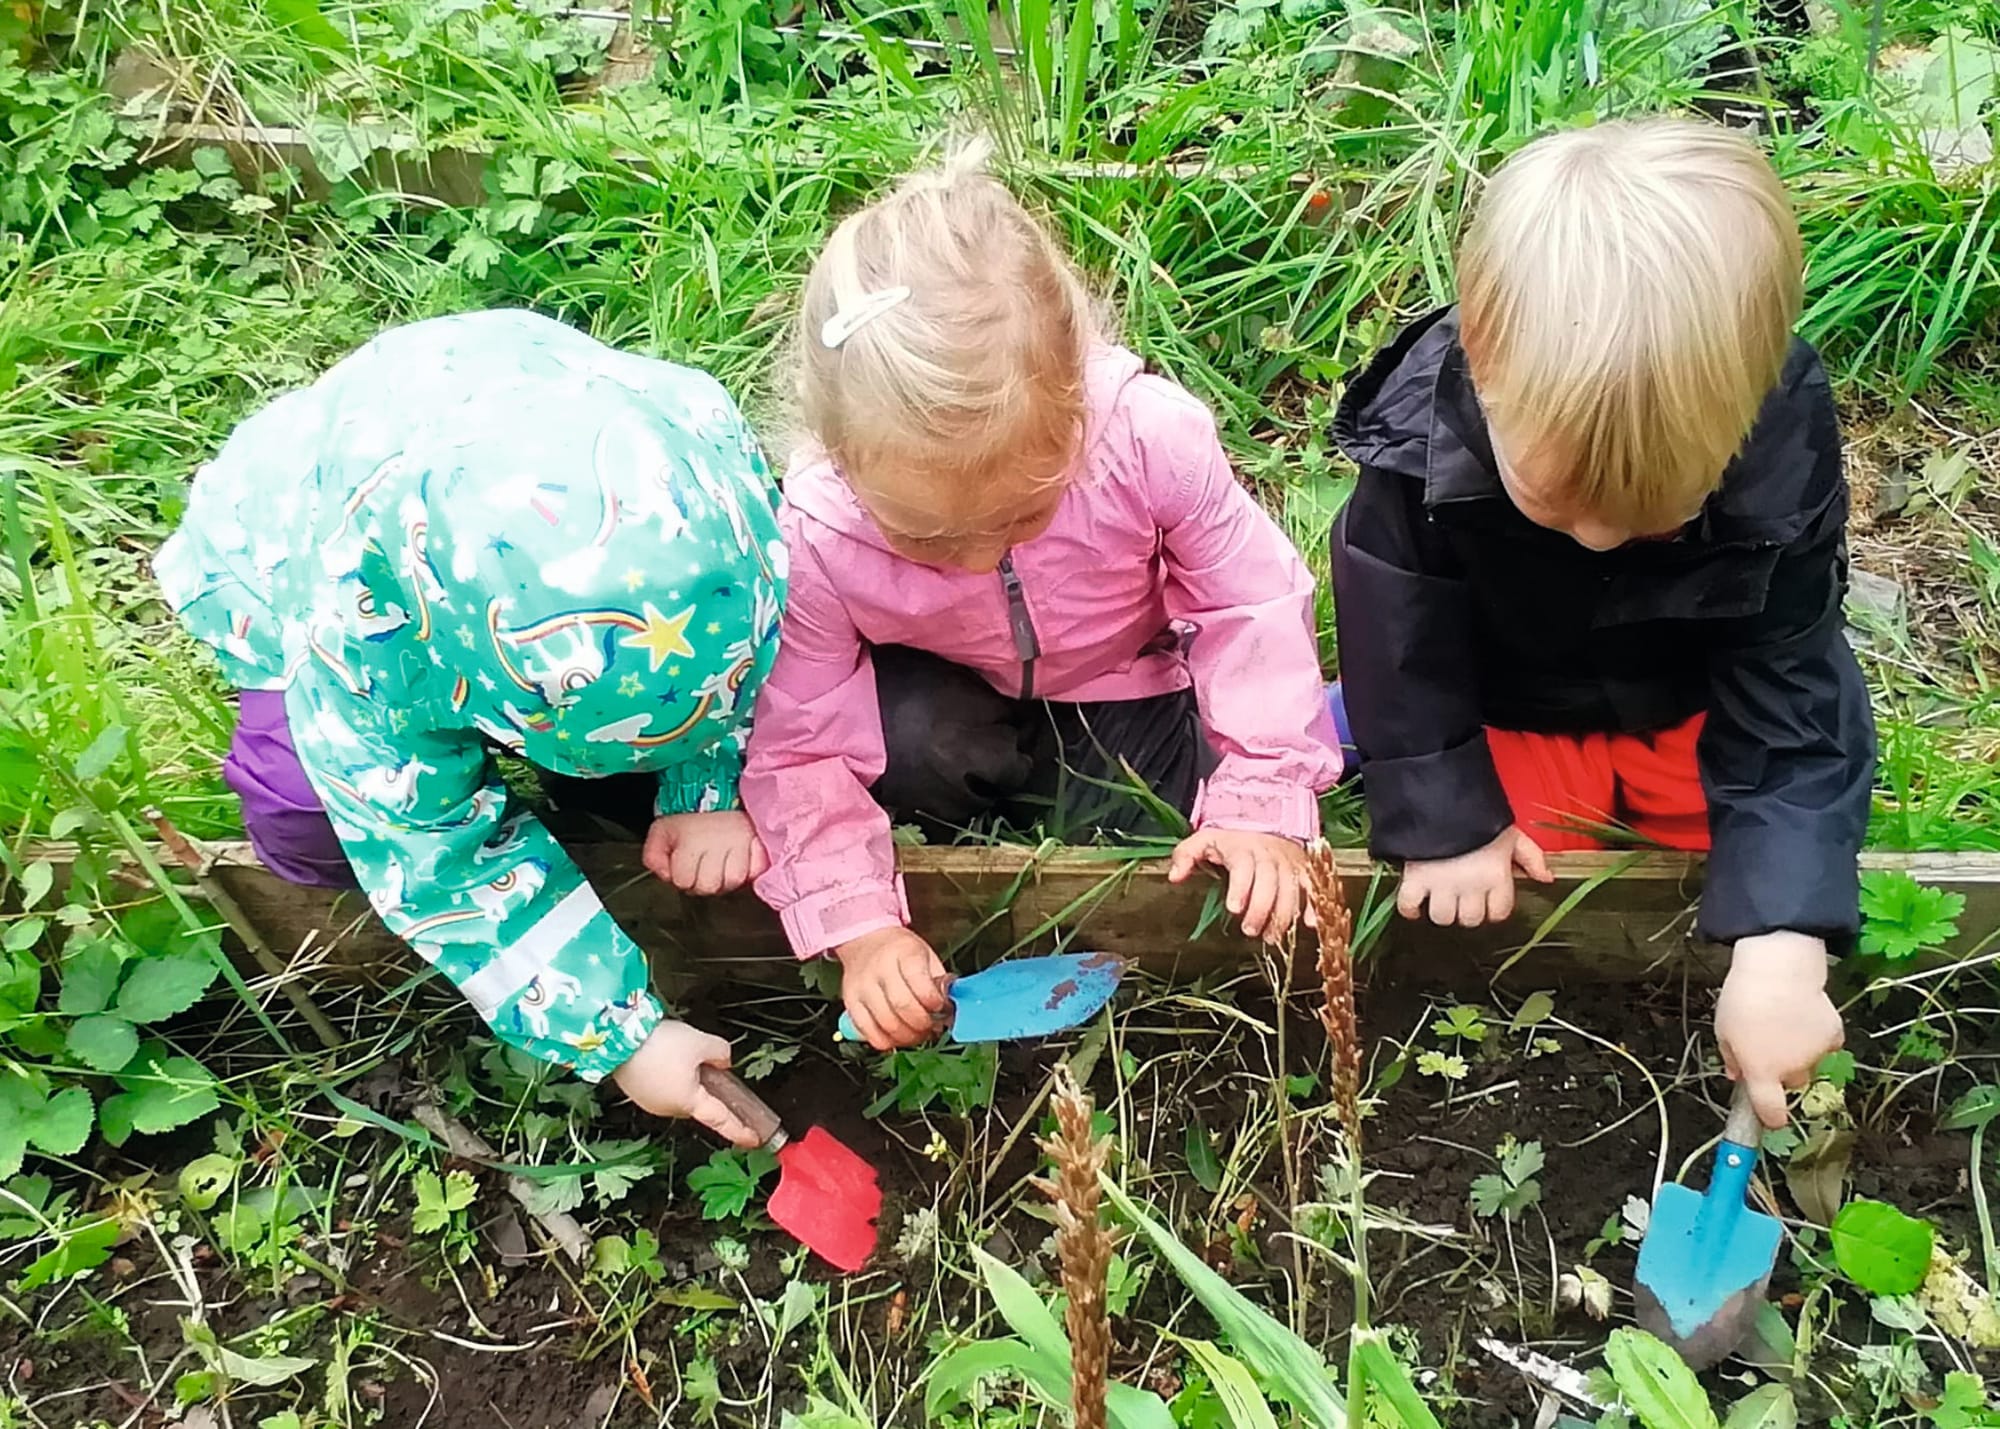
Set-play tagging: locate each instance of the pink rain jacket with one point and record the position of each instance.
(1154, 538)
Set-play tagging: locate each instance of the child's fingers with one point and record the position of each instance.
(760, 861)
(868, 1021)
(658, 852)
(1444, 907)
(904, 1001)
(735, 868)
(928, 981)
(1500, 902)
(1767, 1095)
(708, 873)
(1187, 853)
(1472, 909)
(710, 1111)
(1533, 862)
(1285, 908)
(686, 867)
(1242, 874)
(1263, 898)
(1410, 897)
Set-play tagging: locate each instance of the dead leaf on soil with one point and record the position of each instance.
(1958, 1304)
(1816, 1174)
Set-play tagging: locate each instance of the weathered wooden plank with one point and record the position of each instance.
(982, 902)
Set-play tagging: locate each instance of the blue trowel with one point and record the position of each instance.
(1707, 1256)
(1025, 997)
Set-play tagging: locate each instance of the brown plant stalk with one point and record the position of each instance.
(1335, 922)
(1083, 1245)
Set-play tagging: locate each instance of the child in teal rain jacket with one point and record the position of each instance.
(492, 531)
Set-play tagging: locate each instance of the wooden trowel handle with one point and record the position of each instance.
(1744, 1126)
(745, 1105)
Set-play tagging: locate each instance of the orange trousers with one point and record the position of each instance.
(1566, 789)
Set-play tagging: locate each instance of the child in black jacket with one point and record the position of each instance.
(1592, 574)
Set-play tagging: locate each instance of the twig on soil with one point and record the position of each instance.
(461, 1140)
(1539, 1369)
(190, 858)
(1652, 1084)
(1079, 1065)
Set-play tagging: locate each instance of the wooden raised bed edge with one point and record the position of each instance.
(1634, 926)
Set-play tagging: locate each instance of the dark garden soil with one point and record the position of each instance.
(1461, 1278)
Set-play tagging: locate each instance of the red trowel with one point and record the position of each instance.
(827, 1197)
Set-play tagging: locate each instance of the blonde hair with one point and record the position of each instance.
(1626, 295)
(969, 360)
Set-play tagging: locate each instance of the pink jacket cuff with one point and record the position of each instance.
(823, 921)
(1288, 810)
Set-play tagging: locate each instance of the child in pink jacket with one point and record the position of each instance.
(1020, 565)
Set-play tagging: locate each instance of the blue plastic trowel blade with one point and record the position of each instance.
(1702, 1250)
(1026, 997)
(1032, 997)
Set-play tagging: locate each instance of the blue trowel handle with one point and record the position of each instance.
(1735, 1162)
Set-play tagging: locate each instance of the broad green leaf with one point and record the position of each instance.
(160, 1094)
(1963, 1404)
(20, 986)
(161, 987)
(820, 1414)
(24, 933)
(103, 1044)
(102, 752)
(90, 977)
(304, 19)
(79, 1250)
(1371, 1365)
(438, 1199)
(957, 1372)
(204, 1179)
(1233, 1385)
(13, 1146)
(795, 1308)
(1290, 1366)
(1976, 1108)
(728, 1181)
(36, 881)
(1769, 1406)
(1046, 1376)
(1024, 1311)
(1656, 1383)
(1534, 1012)
(62, 1125)
(1202, 1162)
(265, 1370)
(1880, 1249)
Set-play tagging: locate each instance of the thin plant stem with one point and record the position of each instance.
(1984, 1211)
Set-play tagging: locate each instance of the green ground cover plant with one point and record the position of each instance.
(202, 204)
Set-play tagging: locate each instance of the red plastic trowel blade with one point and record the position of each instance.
(828, 1199)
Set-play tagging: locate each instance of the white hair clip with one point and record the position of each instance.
(858, 314)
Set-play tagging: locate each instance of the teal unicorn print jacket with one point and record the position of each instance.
(490, 531)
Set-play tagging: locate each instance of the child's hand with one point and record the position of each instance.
(1774, 1020)
(705, 853)
(1266, 876)
(1474, 888)
(894, 988)
(664, 1078)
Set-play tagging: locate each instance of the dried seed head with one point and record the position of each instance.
(1082, 1244)
(1336, 974)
